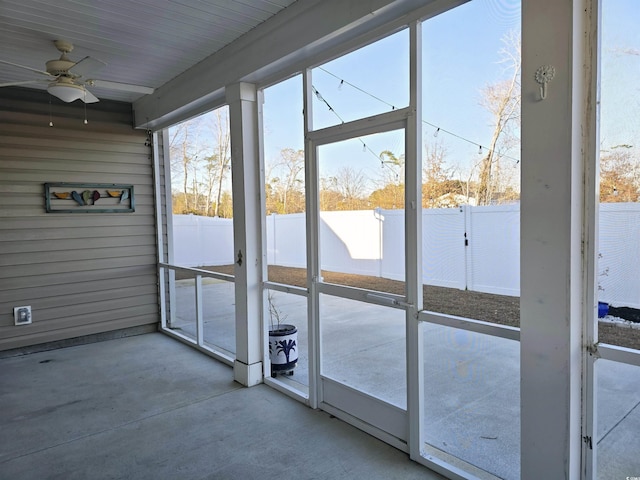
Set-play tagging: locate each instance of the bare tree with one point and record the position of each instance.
(330, 198)
(351, 186)
(182, 154)
(218, 164)
(343, 191)
(439, 189)
(200, 161)
(502, 100)
(285, 183)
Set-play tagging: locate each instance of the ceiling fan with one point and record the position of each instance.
(67, 78)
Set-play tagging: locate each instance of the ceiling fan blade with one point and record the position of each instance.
(27, 68)
(89, 97)
(86, 66)
(10, 84)
(120, 86)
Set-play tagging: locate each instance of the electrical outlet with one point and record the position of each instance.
(22, 315)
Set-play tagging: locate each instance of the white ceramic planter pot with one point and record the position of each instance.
(283, 349)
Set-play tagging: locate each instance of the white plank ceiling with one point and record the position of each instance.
(143, 42)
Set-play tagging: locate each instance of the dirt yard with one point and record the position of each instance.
(499, 309)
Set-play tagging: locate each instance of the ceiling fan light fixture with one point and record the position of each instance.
(68, 78)
(67, 92)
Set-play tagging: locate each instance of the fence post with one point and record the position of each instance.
(377, 213)
(468, 238)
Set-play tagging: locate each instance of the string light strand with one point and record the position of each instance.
(322, 99)
(438, 128)
(365, 147)
(343, 81)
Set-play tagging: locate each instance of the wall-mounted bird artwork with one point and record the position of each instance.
(76, 196)
(113, 198)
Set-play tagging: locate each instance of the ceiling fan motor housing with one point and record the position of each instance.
(59, 67)
(63, 64)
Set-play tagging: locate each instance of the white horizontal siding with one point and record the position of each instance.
(10, 273)
(75, 255)
(35, 247)
(79, 283)
(44, 234)
(20, 161)
(72, 278)
(81, 273)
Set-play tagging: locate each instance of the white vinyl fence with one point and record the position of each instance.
(200, 241)
(475, 248)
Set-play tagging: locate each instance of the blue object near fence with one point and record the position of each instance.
(603, 309)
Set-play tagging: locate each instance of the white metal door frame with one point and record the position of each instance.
(396, 428)
(373, 415)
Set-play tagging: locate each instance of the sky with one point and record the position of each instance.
(461, 55)
(470, 34)
(620, 74)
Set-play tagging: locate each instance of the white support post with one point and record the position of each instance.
(313, 243)
(413, 245)
(588, 69)
(170, 319)
(247, 231)
(553, 216)
(160, 227)
(266, 362)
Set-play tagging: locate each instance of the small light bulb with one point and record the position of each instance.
(479, 149)
(50, 123)
(85, 121)
(435, 134)
(364, 147)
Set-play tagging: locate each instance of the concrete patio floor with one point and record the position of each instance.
(150, 407)
(472, 395)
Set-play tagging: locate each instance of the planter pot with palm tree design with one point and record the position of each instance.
(283, 349)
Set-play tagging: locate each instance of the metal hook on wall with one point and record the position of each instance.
(544, 75)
